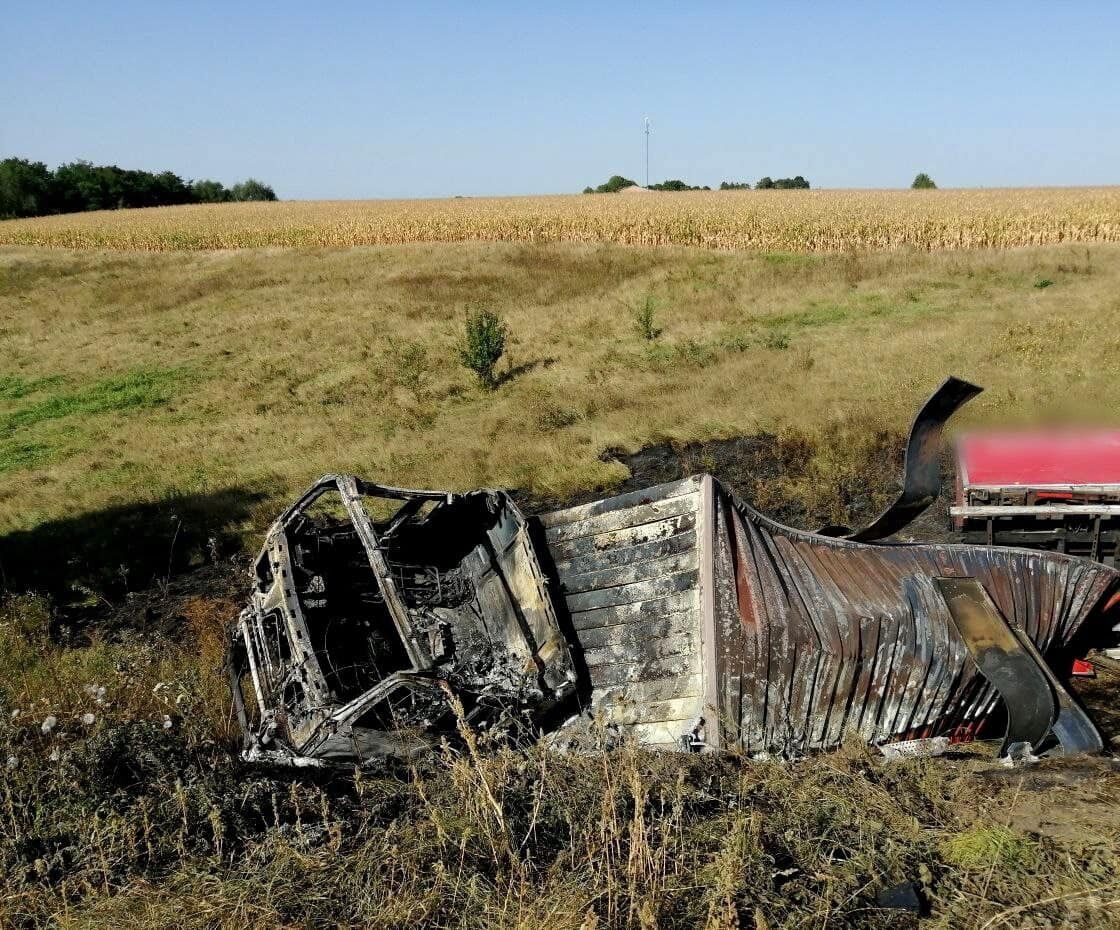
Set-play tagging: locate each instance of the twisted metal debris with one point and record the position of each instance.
(383, 619)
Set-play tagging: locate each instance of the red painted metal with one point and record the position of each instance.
(1033, 459)
(1082, 669)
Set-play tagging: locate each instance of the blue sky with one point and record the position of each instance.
(431, 99)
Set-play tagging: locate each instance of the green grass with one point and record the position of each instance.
(134, 390)
(988, 846)
(47, 419)
(24, 455)
(13, 387)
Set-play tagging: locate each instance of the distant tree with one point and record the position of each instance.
(31, 189)
(674, 185)
(209, 192)
(734, 186)
(783, 184)
(614, 184)
(923, 182)
(82, 186)
(251, 189)
(26, 188)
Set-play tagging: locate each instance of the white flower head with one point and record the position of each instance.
(55, 755)
(15, 713)
(166, 722)
(88, 718)
(49, 723)
(12, 762)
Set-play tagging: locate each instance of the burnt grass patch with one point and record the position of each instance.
(844, 475)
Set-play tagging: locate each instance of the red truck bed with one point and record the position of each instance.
(1045, 489)
(1040, 459)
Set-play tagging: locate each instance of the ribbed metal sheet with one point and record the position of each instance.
(629, 574)
(819, 637)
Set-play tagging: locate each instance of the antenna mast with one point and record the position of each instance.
(647, 151)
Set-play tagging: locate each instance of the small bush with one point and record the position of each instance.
(776, 339)
(645, 316)
(923, 182)
(484, 343)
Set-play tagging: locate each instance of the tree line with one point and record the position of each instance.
(30, 188)
(617, 182)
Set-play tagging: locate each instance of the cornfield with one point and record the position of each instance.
(777, 221)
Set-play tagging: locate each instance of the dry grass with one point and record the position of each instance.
(797, 221)
(132, 378)
(121, 822)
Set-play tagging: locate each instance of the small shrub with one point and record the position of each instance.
(776, 339)
(1044, 282)
(484, 343)
(696, 353)
(645, 315)
(923, 182)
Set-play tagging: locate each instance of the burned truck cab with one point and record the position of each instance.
(381, 614)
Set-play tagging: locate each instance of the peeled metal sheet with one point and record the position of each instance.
(1004, 661)
(1037, 704)
(821, 637)
(921, 477)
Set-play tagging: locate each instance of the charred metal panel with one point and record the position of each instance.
(629, 574)
(821, 637)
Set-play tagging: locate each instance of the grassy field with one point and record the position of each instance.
(157, 409)
(796, 221)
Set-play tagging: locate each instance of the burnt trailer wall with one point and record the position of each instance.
(629, 577)
(702, 622)
(817, 637)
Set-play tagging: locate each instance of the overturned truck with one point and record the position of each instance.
(383, 620)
